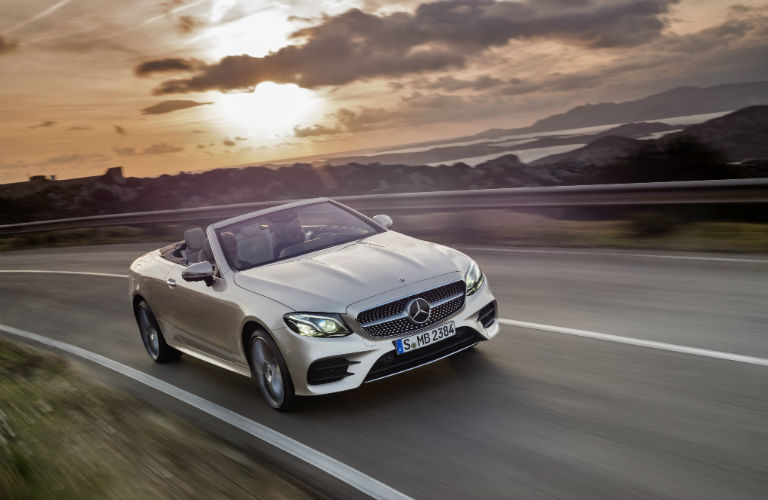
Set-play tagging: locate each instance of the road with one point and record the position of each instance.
(532, 414)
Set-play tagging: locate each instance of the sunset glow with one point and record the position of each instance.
(270, 111)
(199, 84)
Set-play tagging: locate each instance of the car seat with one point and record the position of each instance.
(194, 239)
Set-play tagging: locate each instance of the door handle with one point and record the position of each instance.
(171, 283)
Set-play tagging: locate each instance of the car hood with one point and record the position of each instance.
(331, 279)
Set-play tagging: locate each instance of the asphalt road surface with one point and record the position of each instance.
(532, 414)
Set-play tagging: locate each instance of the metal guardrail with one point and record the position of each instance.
(652, 193)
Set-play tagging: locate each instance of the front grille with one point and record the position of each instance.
(392, 363)
(392, 318)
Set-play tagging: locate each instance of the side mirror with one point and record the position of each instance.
(202, 271)
(384, 220)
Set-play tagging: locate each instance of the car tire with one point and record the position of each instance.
(270, 372)
(152, 336)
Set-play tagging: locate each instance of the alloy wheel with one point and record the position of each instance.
(267, 370)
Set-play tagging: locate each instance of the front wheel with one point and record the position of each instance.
(151, 336)
(270, 372)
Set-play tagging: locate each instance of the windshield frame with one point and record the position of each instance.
(377, 228)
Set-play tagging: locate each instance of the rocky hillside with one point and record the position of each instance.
(741, 135)
(603, 151)
(706, 151)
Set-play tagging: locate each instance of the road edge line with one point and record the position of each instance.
(652, 344)
(51, 271)
(339, 470)
(599, 253)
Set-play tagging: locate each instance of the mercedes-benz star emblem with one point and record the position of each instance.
(418, 310)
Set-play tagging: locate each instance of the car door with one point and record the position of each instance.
(205, 318)
(151, 272)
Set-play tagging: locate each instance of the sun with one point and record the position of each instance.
(272, 110)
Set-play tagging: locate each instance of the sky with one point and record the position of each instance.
(189, 85)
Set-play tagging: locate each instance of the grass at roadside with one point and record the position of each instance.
(506, 228)
(95, 236)
(62, 436)
(481, 227)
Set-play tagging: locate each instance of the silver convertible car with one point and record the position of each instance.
(309, 298)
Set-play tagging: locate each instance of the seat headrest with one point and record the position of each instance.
(208, 252)
(229, 240)
(194, 238)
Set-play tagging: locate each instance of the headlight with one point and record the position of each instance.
(473, 278)
(317, 325)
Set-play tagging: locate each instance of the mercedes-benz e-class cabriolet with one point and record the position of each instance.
(309, 298)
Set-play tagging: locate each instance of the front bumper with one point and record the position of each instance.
(371, 359)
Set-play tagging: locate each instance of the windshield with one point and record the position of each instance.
(290, 232)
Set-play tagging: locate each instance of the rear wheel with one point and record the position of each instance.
(270, 371)
(151, 336)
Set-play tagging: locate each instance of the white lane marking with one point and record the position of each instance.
(339, 470)
(638, 342)
(45, 271)
(616, 254)
(538, 326)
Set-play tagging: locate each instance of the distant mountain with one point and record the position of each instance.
(692, 154)
(741, 135)
(681, 101)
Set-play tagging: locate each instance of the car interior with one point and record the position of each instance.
(194, 248)
(270, 237)
(253, 245)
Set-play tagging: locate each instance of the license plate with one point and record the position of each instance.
(424, 339)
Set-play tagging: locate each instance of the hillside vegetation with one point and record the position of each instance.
(705, 151)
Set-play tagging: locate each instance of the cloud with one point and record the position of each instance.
(228, 142)
(302, 19)
(346, 120)
(238, 138)
(170, 106)
(189, 24)
(452, 84)
(730, 48)
(731, 51)
(155, 149)
(415, 109)
(125, 151)
(120, 130)
(13, 165)
(71, 158)
(167, 65)
(161, 149)
(7, 45)
(78, 128)
(315, 130)
(437, 36)
(45, 124)
(27, 21)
